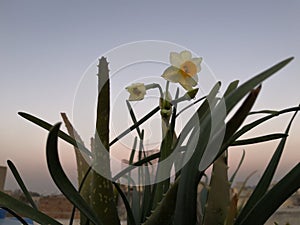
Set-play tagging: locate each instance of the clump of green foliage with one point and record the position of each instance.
(165, 202)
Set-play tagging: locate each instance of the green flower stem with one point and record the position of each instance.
(155, 85)
(167, 89)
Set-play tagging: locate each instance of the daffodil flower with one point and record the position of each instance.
(137, 91)
(183, 69)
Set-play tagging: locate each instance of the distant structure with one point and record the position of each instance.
(2, 177)
(56, 206)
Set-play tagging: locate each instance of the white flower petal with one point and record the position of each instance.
(185, 55)
(186, 86)
(175, 59)
(137, 91)
(195, 78)
(135, 98)
(191, 80)
(197, 62)
(188, 82)
(172, 74)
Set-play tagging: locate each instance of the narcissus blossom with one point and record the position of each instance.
(183, 69)
(137, 91)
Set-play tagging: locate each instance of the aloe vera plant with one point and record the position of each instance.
(204, 141)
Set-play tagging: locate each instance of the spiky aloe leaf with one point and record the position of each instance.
(267, 177)
(218, 196)
(82, 165)
(102, 196)
(232, 210)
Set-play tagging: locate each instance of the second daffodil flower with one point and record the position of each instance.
(183, 69)
(137, 91)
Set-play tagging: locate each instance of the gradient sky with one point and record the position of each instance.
(46, 46)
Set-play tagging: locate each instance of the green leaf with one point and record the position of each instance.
(147, 196)
(234, 97)
(185, 211)
(164, 212)
(21, 183)
(144, 119)
(231, 87)
(273, 199)
(61, 134)
(146, 191)
(264, 138)
(264, 112)
(131, 158)
(61, 180)
(255, 123)
(238, 167)
(134, 165)
(212, 151)
(190, 105)
(136, 194)
(25, 210)
(133, 117)
(238, 118)
(267, 177)
(82, 186)
(166, 149)
(135, 203)
(134, 126)
(199, 114)
(130, 217)
(203, 196)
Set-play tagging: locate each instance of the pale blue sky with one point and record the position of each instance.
(45, 47)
